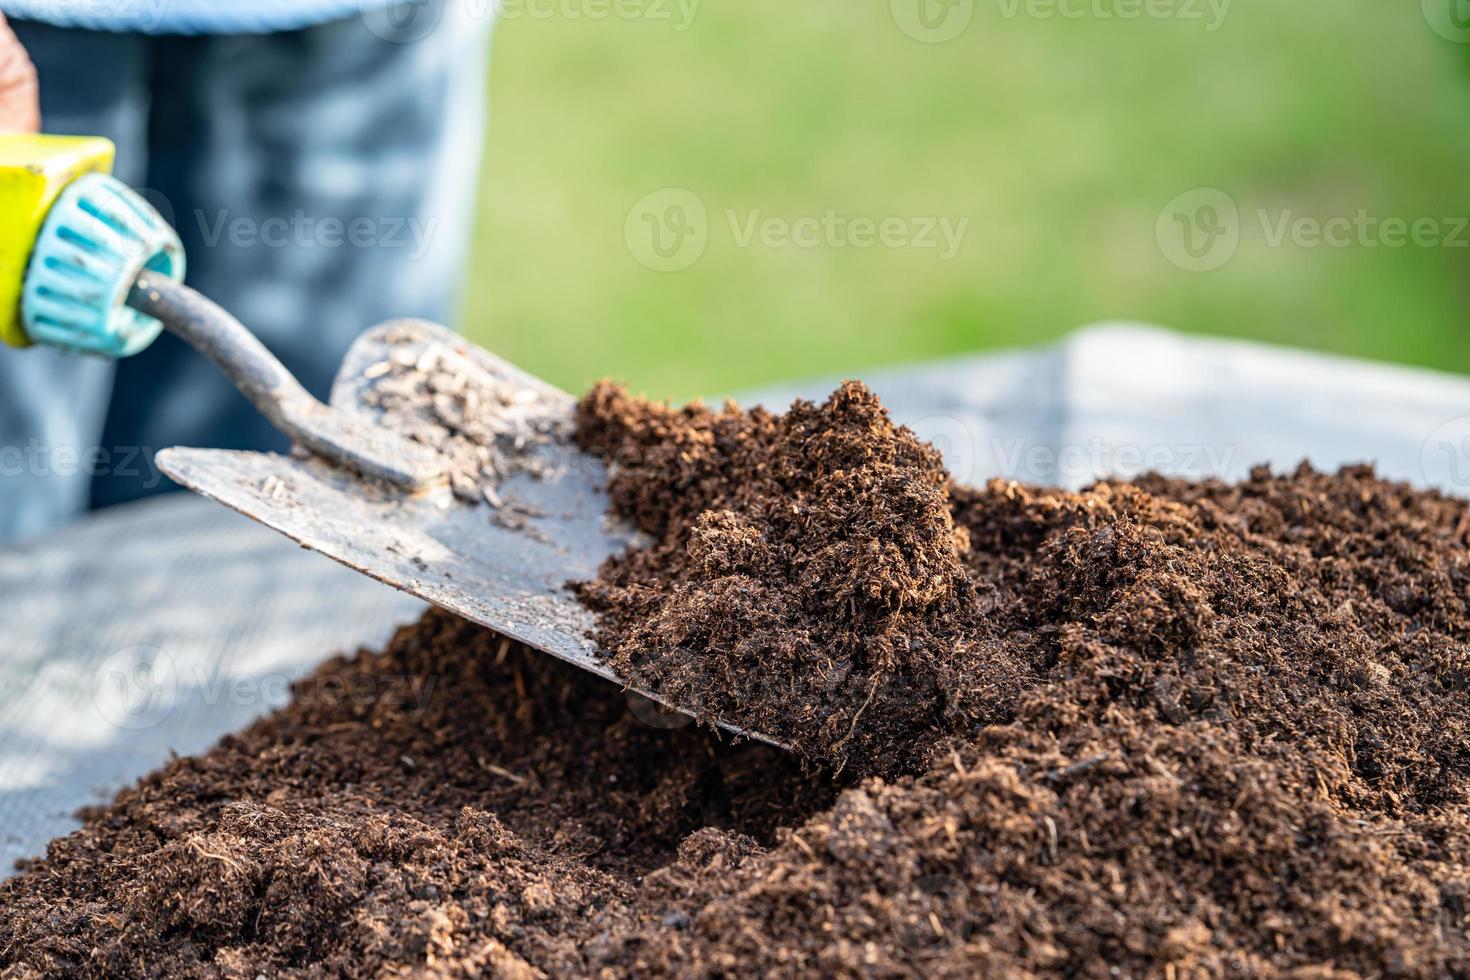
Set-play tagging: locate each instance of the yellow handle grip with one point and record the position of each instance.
(33, 171)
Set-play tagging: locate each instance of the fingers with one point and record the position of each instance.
(20, 91)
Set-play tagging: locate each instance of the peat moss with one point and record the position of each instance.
(1218, 730)
(806, 577)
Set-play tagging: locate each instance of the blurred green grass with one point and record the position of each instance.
(1059, 139)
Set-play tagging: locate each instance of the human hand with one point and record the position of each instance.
(20, 100)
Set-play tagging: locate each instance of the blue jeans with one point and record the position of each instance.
(321, 180)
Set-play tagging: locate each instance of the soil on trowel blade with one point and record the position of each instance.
(1155, 729)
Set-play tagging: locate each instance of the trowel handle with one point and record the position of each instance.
(213, 332)
(105, 276)
(342, 437)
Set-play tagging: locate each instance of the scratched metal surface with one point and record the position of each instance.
(431, 545)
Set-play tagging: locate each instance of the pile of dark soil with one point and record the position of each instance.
(806, 579)
(455, 803)
(1162, 729)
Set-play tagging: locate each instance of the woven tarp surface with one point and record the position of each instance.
(154, 628)
(159, 627)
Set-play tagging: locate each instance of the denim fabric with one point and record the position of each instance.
(201, 16)
(321, 180)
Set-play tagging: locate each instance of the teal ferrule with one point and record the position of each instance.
(97, 238)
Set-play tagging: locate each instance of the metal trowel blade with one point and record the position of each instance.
(508, 576)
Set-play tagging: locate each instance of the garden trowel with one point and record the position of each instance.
(93, 269)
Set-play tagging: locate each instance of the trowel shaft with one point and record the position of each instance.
(264, 380)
